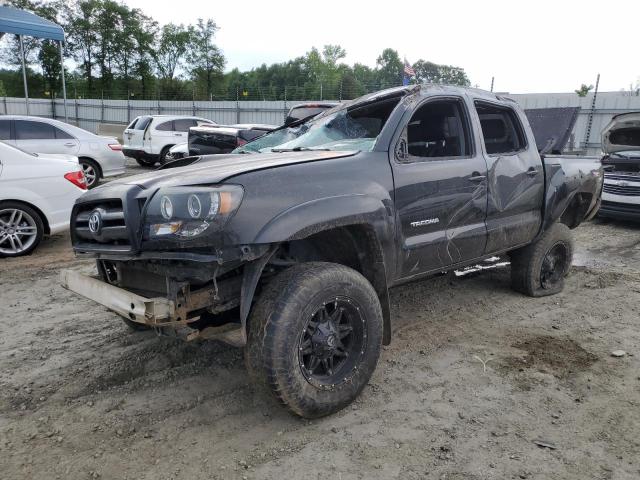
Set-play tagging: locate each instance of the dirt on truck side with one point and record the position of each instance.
(479, 383)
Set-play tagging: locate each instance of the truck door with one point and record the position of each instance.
(440, 188)
(515, 177)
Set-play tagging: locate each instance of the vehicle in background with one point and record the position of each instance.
(37, 193)
(307, 110)
(212, 140)
(177, 152)
(149, 138)
(621, 145)
(100, 157)
(290, 253)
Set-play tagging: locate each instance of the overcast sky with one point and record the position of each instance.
(534, 46)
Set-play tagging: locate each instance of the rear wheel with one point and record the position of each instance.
(163, 154)
(91, 172)
(539, 269)
(21, 229)
(314, 338)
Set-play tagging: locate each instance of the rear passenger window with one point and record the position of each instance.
(183, 124)
(62, 135)
(165, 127)
(142, 123)
(439, 129)
(501, 129)
(5, 129)
(27, 130)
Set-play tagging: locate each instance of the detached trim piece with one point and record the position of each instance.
(148, 311)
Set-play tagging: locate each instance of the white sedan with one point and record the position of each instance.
(37, 193)
(99, 156)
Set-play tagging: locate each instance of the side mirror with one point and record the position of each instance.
(402, 151)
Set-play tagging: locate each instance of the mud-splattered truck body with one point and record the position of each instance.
(288, 247)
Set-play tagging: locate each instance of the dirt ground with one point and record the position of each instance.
(475, 376)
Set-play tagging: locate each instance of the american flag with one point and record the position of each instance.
(408, 71)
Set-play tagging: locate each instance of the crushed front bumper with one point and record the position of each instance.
(160, 313)
(148, 311)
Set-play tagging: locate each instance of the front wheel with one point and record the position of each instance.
(539, 269)
(314, 337)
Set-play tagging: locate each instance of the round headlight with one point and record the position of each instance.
(215, 203)
(194, 206)
(166, 207)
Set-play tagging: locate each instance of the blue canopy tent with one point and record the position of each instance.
(21, 23)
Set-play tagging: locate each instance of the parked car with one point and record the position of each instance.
(100, 157)
(216, 139)
(621, 190)
(307, 110)
(149, 138)
(290, 253)
(226, 136)
(178, 151)
(37, 193)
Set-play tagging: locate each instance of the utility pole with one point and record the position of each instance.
(24, 75)
(492, 79)
(587, 134)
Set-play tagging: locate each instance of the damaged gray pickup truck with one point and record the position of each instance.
(289, 246)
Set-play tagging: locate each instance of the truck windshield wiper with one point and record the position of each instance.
(300, 149)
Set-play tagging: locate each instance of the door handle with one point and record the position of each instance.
(69, 144)
(476, 177)
(177, 134)
(532, 172)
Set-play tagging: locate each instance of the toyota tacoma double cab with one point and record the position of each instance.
(289, 246)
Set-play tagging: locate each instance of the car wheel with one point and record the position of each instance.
(91, 172)
(163, 155)
(314, 338)
(21, 229)
(539, 269)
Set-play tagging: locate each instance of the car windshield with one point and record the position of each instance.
(352, 128)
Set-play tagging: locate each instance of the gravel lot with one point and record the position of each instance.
(475, 376)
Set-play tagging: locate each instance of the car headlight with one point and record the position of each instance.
(186, 212)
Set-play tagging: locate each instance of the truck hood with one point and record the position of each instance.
(210, 169)
(622, 133)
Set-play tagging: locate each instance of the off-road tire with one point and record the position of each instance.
(37, 223)
(276, 325)
(528, 263)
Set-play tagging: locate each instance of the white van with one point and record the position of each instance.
(149, 137)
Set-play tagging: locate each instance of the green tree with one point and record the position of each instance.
(584, 90)
(82, 37)
(205, 58)
(429, 72)
(389, 71)
(171, 49)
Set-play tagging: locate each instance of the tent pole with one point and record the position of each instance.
(64, 86)
(24, 75)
